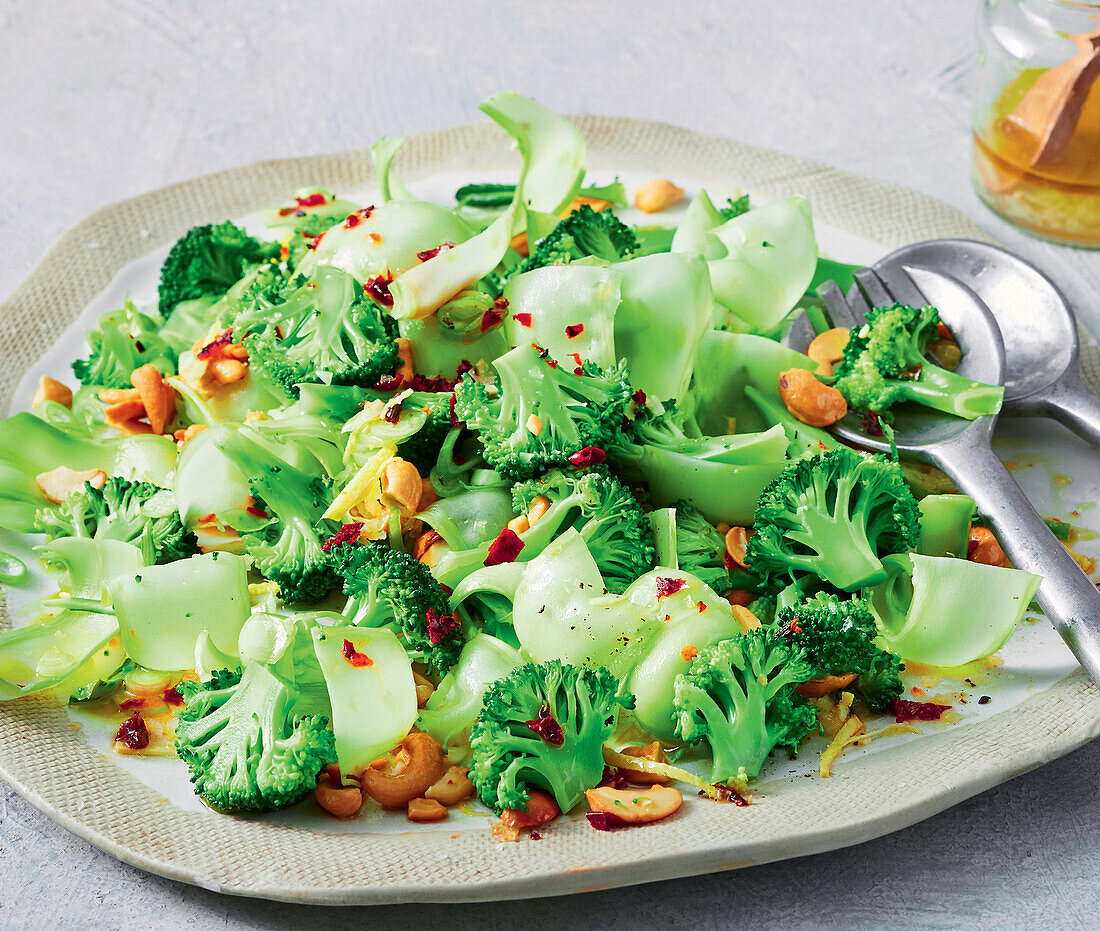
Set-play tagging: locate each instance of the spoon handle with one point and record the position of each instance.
(1069, 599)
(1071, 403)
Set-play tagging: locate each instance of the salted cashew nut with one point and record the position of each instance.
(737, 545)
(424, 689)
(539, 506)
(425, 811)
(652, 751)
(57, 483)
(401, 486)
(636, 806)
(745, 618)
(337, 800)
(813, 403)
(426, 764)
(50, 389)
(827, 348)
(657, 195)
(405, 370)
(453, 786)
(984, 548)
(541, 808)
(826, 685)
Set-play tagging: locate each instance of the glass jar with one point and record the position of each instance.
(1037, 116)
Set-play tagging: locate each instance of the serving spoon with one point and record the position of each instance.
(961, 448)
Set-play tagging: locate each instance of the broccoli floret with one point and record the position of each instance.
(885, 363)
(386, 586)
(584, 232)
(542, 413)
(700, 548)
(422, 448)
(734, 208)
(288, 549)
(544, 726)
(614, 527)
(839, 638)
(140, 513)
(243, 744)
(832, 516)
(123, 340)
(209, 260)
(739, 696)
(326, 331)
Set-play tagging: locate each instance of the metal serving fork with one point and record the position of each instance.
(961, 448)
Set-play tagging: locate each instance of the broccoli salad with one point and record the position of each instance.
(408, 504)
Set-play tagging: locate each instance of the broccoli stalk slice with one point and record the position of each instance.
(245, 748)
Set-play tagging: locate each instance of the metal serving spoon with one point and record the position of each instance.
(961, 449)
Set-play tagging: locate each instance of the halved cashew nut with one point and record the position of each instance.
(519, 524)
(539, 506)
(428, 495)
(50, 389)
(338, 801)
(454, 786)
(984, 548)
(57, 483)
(813, 403)
(657, 195)
(636, 806)
(737, 545)
(183, 437)
(652, 751)
(541, 808)
(426, 764)
(745, 618)
(401, 486)
(424, 689)
(157, 396)
(405, 364)
(818, 688)
(827, 348)
(425, 810)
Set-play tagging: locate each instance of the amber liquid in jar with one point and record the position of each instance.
(1057, 198)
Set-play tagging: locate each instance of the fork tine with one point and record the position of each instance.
(840, 313)
(901, 285)
(873, 290)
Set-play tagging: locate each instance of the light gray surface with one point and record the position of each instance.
(103, 100)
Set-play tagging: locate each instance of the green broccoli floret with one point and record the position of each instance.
(288, 549)
(832, 516)
(140, 513)
(839, 638)
(885, 363)
(387, 586)
(422, 448)
(734, 208)
(209, 260)
(244, 746)
(614, 527)
(584, 232)
(544, 727)
(123, 340)
(325, 331)
(542, 413)
(739, 696)
(701, 549)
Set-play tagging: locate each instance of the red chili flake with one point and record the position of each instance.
(451, 415)
(440, 626)
(432, 253)
(287, 211)
(312, 200)
(490, 319)
(590, 455)
(943, 332)
(354, 657)
(505, 548)
(378, 287)
(255, 511)
(871, 424)
(702, 607)
(392, 413)
(133, 734)
(726, 794)
(912, 373)
(731, 566)
(613, 777)
(375, 238)
(349, 533)
(131, 703)
(904, 710)
(638, 398)
(278, 331)
(523, 319)
(547, 727)
(463, 367)
(358, 217)
(208, 518)
(173, 697)
(666, 587)
(574, 330)
(311, 243)
(576, 357)
(605, 821)
(432, 385)
(535, 835)
(500, 303)
(579, 370)
(224, 338)
(389, 383)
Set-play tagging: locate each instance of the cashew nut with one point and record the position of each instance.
(50, 389)
(541, 808)
(454, 786)
(813, 403)
(636, 806)
(984, 548)
(424, 689)
(405, 364)
(826, 685)
(425, 810)
(657, 195)
(57, 483)
(652, 751)
(827, 348)
(426, 764)
(338, 801)
(737, 545)
(745, 618)
(539, 506)
(157, 396)
(401, 485)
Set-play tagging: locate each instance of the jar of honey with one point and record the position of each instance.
(1037, 116)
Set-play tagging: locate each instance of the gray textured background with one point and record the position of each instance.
(103, 99)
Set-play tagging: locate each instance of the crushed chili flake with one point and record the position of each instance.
(392, 413)
(354, 657)
(358, 217)
(605, 821)
(173, 697)
(133, 734)
(943, 332)
(666, 587)
(726, 795)
(432, 385)
(131, 703)
(254, 510)
(455, 422)
(871, 424)
(389, 383)
(544, 354)
(576, 357)
(523, 319)
(317, 199)
(349, 533)
(728, 560)
(312, 239)
(638, 398)
(287, 211)
(440, 626)
(490, 319)
(432, 253)
(224, 338)
(500, 303)
(912, 373)
(505, 548)
(791, 627)
(378, 288)
(904, 711)
(702, 606)
(375, 238)
(579, 370)
(208, 518)
(613, 777)
(688, 653)
(547, 727)
(574, 330)
(535, 835)
(590, 455)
